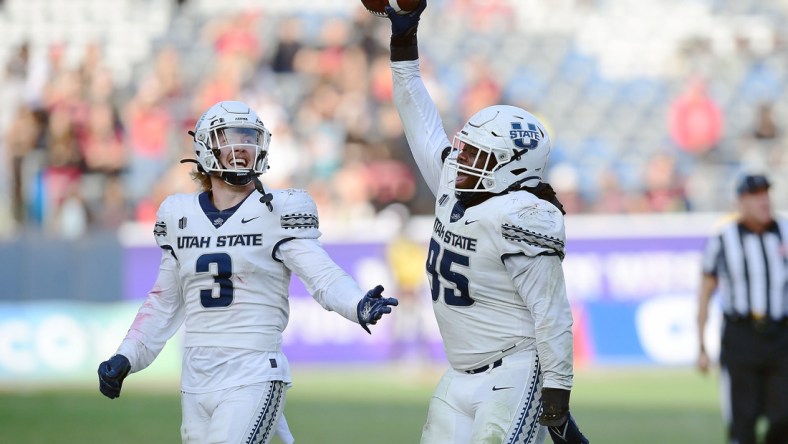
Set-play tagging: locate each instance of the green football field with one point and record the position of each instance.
(370, 405)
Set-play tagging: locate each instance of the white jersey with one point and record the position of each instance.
(225, 276)
(495, 268)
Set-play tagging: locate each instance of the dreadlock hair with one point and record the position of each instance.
(545, 192)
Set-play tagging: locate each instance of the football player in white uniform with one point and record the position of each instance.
(494, 265)
(224, 274)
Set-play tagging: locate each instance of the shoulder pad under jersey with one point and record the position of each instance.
(298, 210)
(531, 226)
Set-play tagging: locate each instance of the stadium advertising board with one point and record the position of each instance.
(633, 298)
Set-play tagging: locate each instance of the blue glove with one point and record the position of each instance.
(568, 433)
(402, 24)
(111, 374)
(372, 307)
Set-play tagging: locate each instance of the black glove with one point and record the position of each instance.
(404, 45)
(111, 374)
(568, 433)
(372, 307)
(555, 415)
(555, 406)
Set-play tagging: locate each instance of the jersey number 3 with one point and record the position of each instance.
(221, 277)
(459, 295)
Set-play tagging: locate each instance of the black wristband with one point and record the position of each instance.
(405, 47)
(404, 53)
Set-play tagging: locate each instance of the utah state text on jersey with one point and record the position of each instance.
(452, 239)
(229, 240)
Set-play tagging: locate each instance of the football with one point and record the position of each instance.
(402, 7)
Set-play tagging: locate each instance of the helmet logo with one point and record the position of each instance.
(519, 135)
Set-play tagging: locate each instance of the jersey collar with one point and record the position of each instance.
(216, 216)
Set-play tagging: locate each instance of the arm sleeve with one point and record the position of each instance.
(328, 284)
(301, 252)
(420, 119)
(157, 320)
(163, 312)
(540, 282)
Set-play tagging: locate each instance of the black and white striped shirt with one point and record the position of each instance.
(752, 270)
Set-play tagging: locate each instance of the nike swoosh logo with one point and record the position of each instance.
(468, 222)
(243, 221)
(495, 389)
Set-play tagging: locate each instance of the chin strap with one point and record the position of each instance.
(267, 197)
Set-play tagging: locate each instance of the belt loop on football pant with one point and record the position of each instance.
(484, 368)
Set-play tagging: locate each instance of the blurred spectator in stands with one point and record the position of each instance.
(91, 64)
(612, 198)
(63, 153)
(482, 88)
(167, 70)
(290, 36)
(352, 193)
(355, 79)
(175, 178)
(102, 88)
(391, 181)
(236, 55)
(765, 127)
(24, 135)
(12, 82)
(114, 209)
(102, 141)
(285, 157)
(323, 194)
(368, 34)
(61, 199)
(695, 119)
(334, 39)
(332, 83)
(27, 71)
(664, 186)
(65, 91)
(319, 131)
(17, 64)
(392, 166)
(760, 146)
(66, 113)
(71, 218)
(488, 16)
(324, 146)
(222, 82)
(149, 125)
(380, 84)
(235, 40)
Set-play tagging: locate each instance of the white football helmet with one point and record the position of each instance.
(232, 126)
(514, 142)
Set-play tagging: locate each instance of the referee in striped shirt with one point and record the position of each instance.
(748, 262)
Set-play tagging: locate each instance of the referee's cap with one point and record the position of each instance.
(752, 183)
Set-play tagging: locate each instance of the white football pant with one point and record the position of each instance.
(500, 405)
(239, 415)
